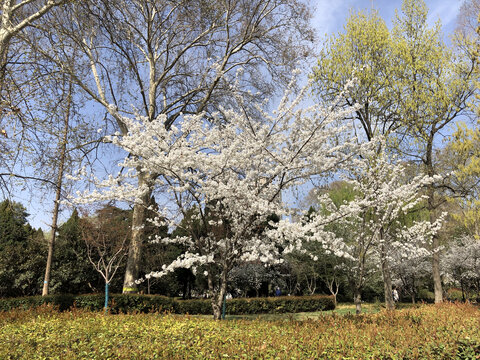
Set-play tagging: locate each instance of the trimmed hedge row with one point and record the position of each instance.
(155, 303)
(283, 304)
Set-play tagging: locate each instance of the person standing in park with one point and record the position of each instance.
(395, 294)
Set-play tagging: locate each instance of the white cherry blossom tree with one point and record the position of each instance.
(372, 231)
(461, 265)
(231, 175)
(410, 274)
(385, 195)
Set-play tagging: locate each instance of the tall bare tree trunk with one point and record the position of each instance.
(437, 280)
(387, 283)
(132, 271)
(58, 193)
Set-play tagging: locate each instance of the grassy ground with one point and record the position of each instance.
(447, 331)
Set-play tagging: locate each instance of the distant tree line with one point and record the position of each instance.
(23, 255)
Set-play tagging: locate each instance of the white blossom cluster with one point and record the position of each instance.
(461, 263)
(230, 172)
(384, 194)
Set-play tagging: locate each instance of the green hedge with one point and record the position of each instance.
(425, 295)
(63, 302)
(193, 307)
(283, 304)
(154, 303)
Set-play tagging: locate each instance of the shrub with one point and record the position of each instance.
(155, 303)
(92, 302)
(63, 302)
(426, 296)
(193, 306)
(141, 303)
(454, 294)
(283, 304)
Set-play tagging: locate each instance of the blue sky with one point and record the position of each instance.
(329, 18)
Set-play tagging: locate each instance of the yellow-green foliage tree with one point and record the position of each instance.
(463, 153)
(363, 50)
(463, 149)
(435, 83)
(411, 85)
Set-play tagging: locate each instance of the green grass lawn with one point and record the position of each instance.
(447, 331)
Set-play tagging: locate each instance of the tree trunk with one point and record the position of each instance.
(51, 246)
(217, 308)
(132, 270)
(359, 280)
(437, 280)
(58, 193)
(387, 278)
(106, 296)
(357, 299)
(387, 285)
(414, 290)
(217, 293)
(334, 293)
(5, 38)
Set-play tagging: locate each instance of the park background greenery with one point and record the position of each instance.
(381, 53)
(411, 86)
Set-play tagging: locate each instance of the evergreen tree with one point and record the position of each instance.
(72, 272)
(21, 251)
(13, 221)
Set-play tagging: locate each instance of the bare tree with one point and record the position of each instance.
(467, 19)
(106, 236)
(62, 153)
(49, 138)
(173, 58)
(15, 17)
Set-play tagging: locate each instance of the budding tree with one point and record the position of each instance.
(168, 58)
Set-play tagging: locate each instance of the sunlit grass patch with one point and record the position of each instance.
(447, 331)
